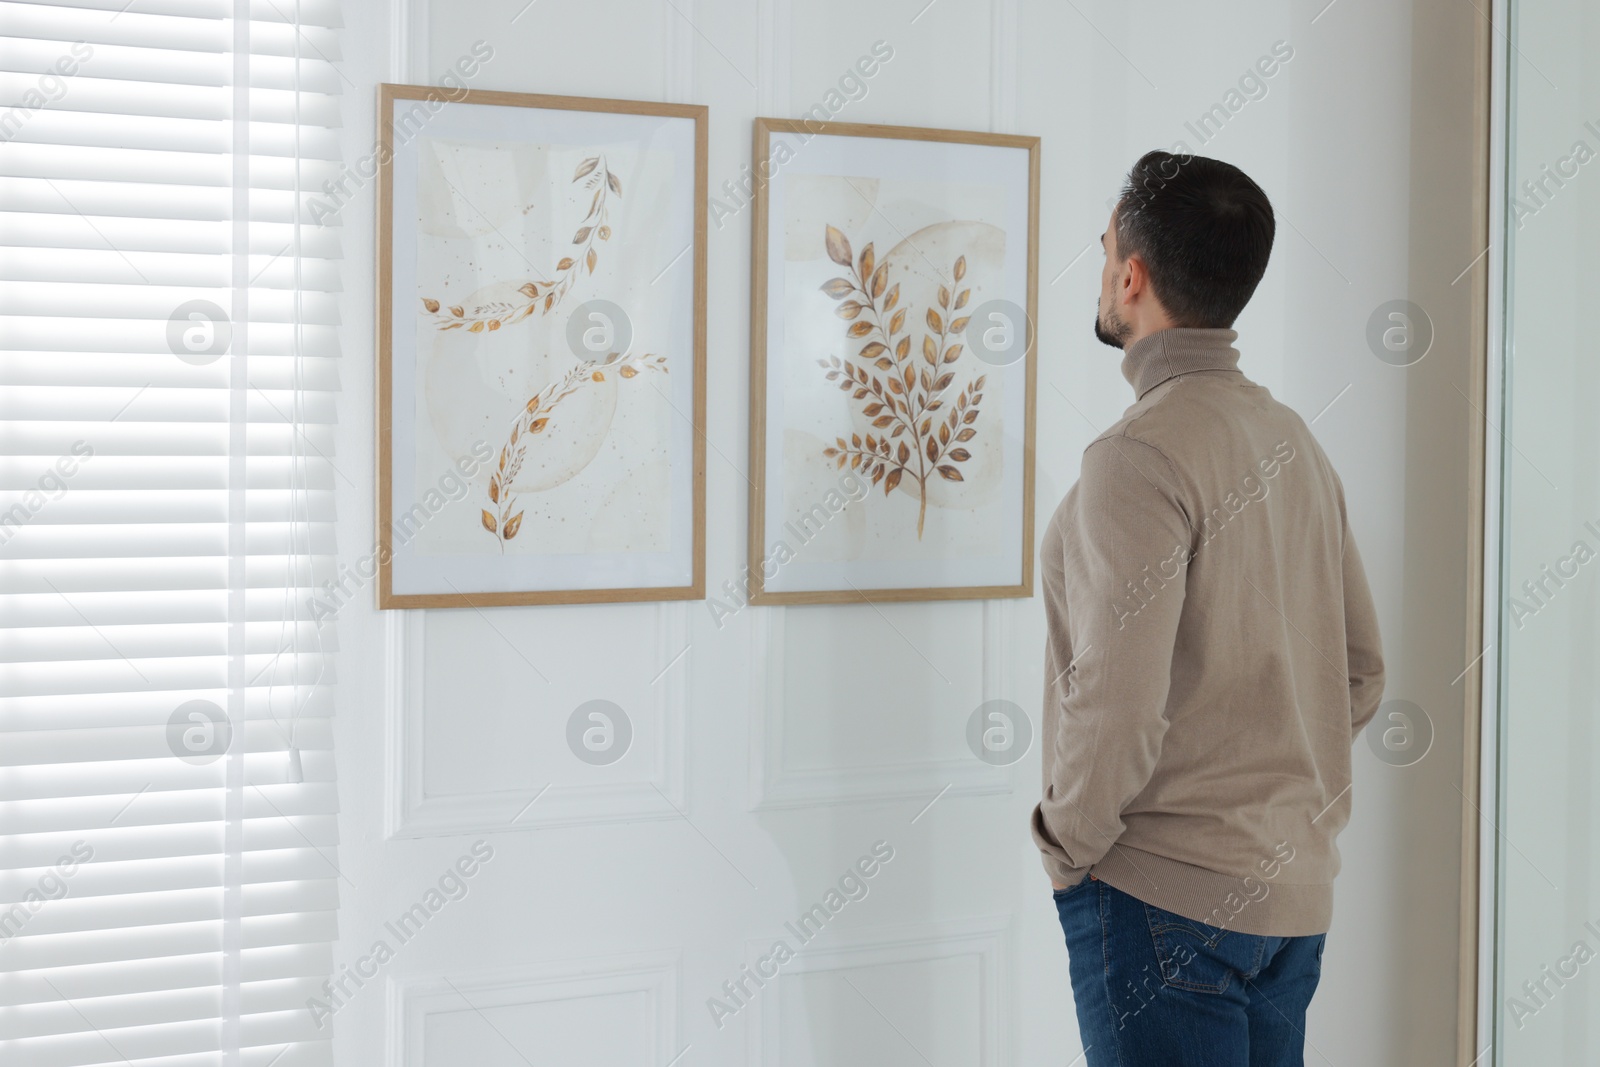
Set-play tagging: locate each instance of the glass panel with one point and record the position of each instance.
(1548, 863)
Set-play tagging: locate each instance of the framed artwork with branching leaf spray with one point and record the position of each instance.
(541, 349)
(894, 283)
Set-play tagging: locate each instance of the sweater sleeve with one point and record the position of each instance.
(1126, 549)
(1363, 647)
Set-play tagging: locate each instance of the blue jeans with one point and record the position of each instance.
(1155, 989)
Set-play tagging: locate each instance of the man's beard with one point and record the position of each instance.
(1116, 335)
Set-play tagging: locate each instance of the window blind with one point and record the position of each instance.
(168, 365)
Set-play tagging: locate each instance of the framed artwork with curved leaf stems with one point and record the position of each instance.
(541, 349)
(894, 285)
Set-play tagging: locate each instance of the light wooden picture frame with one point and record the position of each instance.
(541, 349)
(893, 363)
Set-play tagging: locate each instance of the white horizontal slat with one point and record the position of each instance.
(259, 999)
(275, 963)
(162, 32)
(104, 271)
(309, 12)
(36, 617)
(93, 199)
(103, 574)
(199, 136)
(76, 913)
(131, 374)
(153, 807)
(36, 233)
(145, 742)
(205, 871)
(92, 93)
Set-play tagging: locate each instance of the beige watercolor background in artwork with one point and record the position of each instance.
(919, 229)
(493, 217)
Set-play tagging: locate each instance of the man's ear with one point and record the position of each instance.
(1136, 279)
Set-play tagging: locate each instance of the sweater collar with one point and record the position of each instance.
(1154, 358)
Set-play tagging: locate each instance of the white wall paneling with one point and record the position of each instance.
(939, 987)
(776, 781)
(410, 810)
(601, 1012)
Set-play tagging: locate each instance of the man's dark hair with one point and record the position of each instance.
(1204, 231)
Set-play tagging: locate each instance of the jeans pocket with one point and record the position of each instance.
(1062, 894)
(1200, 957)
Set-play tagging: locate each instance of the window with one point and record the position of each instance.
(168, 361)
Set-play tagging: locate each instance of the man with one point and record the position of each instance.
(1212, 654)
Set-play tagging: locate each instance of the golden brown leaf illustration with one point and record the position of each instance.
(508, 521)
(530, 290)
(615, 183)
(900, 403)
(586, 167)
(458, 312)
(590, 258)
(838, 246)
(431, 305)
(476, 327)
(582, 234)
(565, 264)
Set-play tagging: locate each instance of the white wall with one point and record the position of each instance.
(957, 944)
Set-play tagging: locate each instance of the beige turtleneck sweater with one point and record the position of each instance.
(1212, 651)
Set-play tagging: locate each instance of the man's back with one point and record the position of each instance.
(1213, 650)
